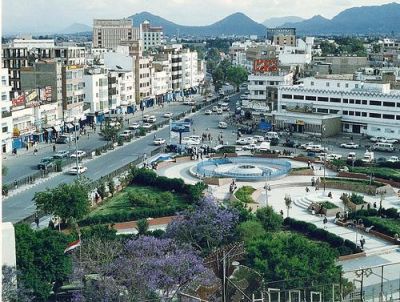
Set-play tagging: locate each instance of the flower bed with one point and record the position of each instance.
(244, 194)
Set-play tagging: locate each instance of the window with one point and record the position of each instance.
(335, 100)
(358, 113)
(375, 103)
(345, 112)
(351, 112)
(375, 115)
(364, 114)
(322, 99)
(322, 110)
(312, 83)
(4, 129)
(358, 102)
(298, 97)
(364, 102)
(351, 101)
(345, 101)
(338, 85)
(333, 111)
(389, 104)
(398, 117)
(388, 116)
(286, 96)
(310, 98)
(347, 85)
(327, 84)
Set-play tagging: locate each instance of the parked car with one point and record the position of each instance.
(304, 146)
(245, 141)
(219, 111)
(65, 139)
(351, 157)
(251, 147)
(134, 126)
(46, 163)
(168, 114)
(77, 170)
(159, 141)
(383, 147)
(291, 144)
(333, 156)
(350, 145)
(78, 154)
(259, 138)
(145, 117)
(381, 160)
(126, 134)
(393, 159)
(214, 109)
(381, 139)
(315, 148)
(61, 154)
(208, 112)
(369, 157)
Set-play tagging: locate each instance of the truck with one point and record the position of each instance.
(368, 157)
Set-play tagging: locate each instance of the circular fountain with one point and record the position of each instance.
(242, 168)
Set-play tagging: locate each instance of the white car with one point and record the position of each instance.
(159, 141)
(245, 141)
(126, 134)
(151, 119)
(77, 170)
(333, 156)
(222, 125)
(208, 112)
(189, 141)
(214, 109)
(147, 126)
(134, 126)
(393, 159)
(390, 141)
(219, 111)
(350, 145)
(251, 147)
(145, 117)
(168, 114)
(315, 148)
(304, 146)
(258, 138)
(78, 154)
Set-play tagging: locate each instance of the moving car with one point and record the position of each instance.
(315, 148)
(222, 125)
(271, 134)
(350, 145)
(333, 156)
(145, 117)
(65, 139)
(77, 170)
(258, 138)
(214, 109)
(219, 111)
(46, 163)
(368, 157)
(251, 147)
(304, 146)
(61, 154)
(78, 154)
(383, 147)
(151, 119)
(351, 157)
(290, 144)
(168, 114)
(134, 126)
(159, 141)
(189, 141)
(208, 112)
(126, 134)
(147, 126)
(245, 141)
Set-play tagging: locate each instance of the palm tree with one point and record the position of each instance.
(288, 203)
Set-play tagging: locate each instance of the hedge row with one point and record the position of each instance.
(388, 213)
(344, 247)
(131, 215)
(382, 226)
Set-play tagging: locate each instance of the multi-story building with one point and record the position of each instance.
(73, 94)
(189, 69)
(14, 58)
(143, 79)
(342, 64)
(161, 78)
(108, 33)
(263, 90)
(367, 108)
(152, 36)
(96, 90)
(282, 36)
(6, 118)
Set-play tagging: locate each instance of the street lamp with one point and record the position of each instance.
(267, 187)
(357, 223)
(322, 134)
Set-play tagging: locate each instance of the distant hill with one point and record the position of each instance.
(380, 19)
(76, 28)
(235, 24)
(279, 21)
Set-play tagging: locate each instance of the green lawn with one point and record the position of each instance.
(388, 226)
(136, 202)
(244, 194)
(328, 205)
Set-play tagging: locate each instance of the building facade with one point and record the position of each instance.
(108, 33)
(152, 36)
(6, 118)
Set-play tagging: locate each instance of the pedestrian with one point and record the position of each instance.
(325, 221)
(27, 147)
(88, 135)
(15, 184)
(281, 212)
(54, 148)
(362, 242)
(309, 164)
(307, 190)
(35, 151)
(155, 136)
(37, 220)
(375, 205)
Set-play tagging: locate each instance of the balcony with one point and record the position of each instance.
(5, 114)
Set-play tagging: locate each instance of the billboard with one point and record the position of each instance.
(265, 65)
(19, 101)
(45, 94)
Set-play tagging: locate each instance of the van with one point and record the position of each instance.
(264, 146)
(271, 135)
(388, 147)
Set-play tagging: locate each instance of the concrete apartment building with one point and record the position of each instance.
(73, 93)
(161, 79)
(96, 90)
(282, 36)
(152, 36)
(341, 64)
(367, 108)
(108, 33)
(6, 118)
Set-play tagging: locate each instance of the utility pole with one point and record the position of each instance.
(76, 150)
(322, 136)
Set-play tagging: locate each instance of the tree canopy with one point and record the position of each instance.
(66, 200)
(236, 75)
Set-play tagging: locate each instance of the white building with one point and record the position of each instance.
(108, 33)
(300, 54)
(6, 118)
(96, 90)
(33, 43)
(152, 36)
(8, 256)
(189, 69)
(161, 78)
(367, 108)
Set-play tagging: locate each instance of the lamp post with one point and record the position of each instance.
(357, 223)
(322, 134)
(76, 149)
(267, 187)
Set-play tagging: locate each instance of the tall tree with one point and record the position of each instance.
(205, 227)
(41, 260)
(288, 203)
(67, 201)
(236, 75)
(270, 220)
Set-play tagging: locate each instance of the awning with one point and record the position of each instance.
(49, 129)
(57, 128)
(69, 126)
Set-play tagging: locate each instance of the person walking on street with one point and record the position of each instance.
(37, 220)
(54, 148)
(362, 242)
(325, 221)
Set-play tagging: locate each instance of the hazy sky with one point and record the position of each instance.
(50, 15)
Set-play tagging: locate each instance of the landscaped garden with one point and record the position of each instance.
(380, 172)
(244, 194)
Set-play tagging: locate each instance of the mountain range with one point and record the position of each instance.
(379, 19)
(235, 24)
(279, 21)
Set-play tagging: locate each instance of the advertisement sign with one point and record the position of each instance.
(19, 101)
(265, 65)
(45, 94)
